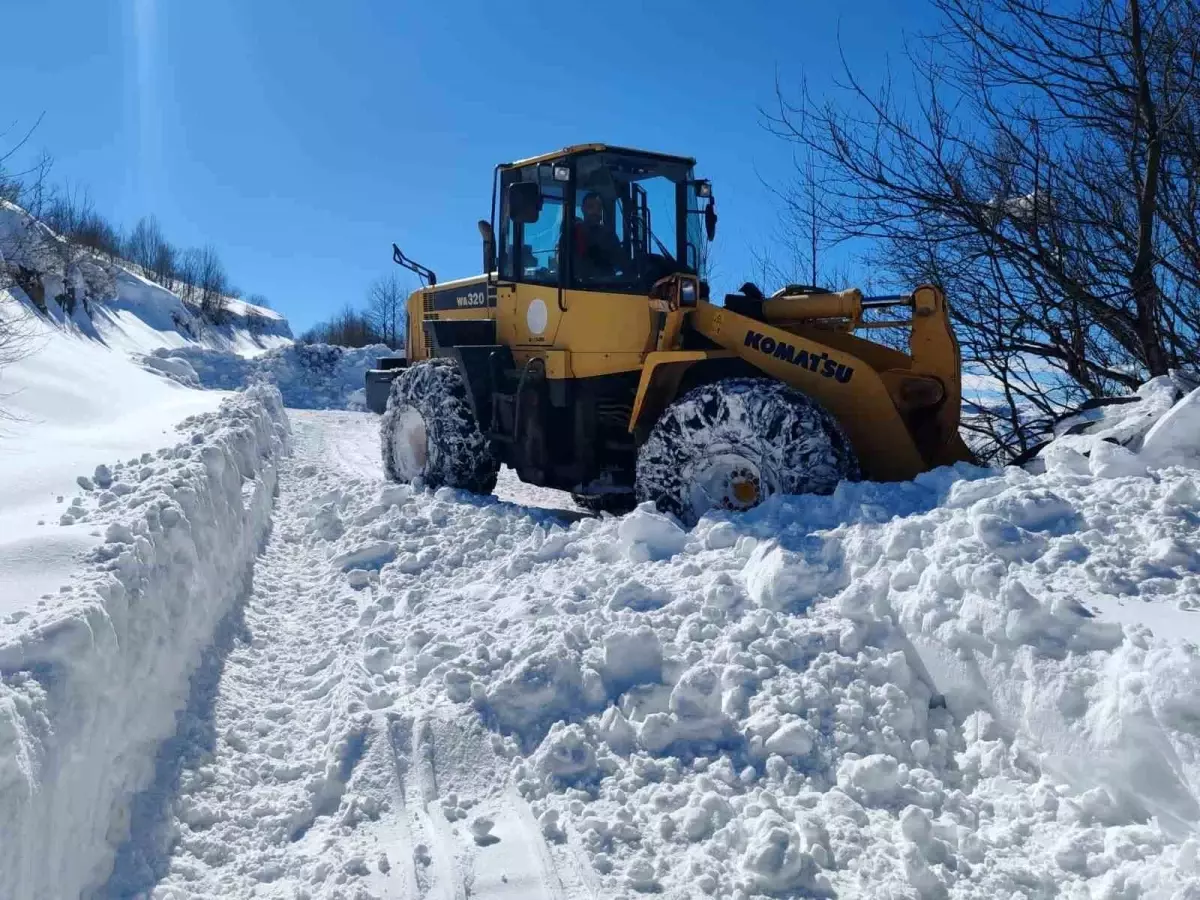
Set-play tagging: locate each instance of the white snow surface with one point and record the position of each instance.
(945, 688)
(91, 678)
(69, 405)
(915, 690)
(310, 376)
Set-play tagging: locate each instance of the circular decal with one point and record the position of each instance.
(536, 316)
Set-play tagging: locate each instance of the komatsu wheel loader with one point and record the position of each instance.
(590, 357)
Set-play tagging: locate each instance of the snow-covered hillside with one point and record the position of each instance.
(939, 689)
(110, 303)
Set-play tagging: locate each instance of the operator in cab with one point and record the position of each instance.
(596, 247)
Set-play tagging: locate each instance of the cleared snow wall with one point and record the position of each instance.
(90, 682)
(310, 376)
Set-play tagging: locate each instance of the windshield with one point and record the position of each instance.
(631, 221)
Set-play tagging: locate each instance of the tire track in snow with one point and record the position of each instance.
(431, 848)
(509, 859)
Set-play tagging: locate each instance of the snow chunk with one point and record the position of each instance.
(630, 658)
(545, 686)
(780, 580)
(371, 556)
(647, 534)
(778, 859)
(795, 738)
(874, 780)
(566, 755)
(1175, 438)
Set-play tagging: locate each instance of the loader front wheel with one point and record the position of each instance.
(429, 432)
(733, 443)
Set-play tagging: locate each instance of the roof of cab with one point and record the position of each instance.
(588, 148)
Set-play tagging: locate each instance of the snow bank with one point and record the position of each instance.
(1156, 422)
(310, 376)
(91, 679)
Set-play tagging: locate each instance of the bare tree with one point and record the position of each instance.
(387, 309)
(15, 185)
(71, 214)
(15, 335)
(259, 300)
(16, 342)
(163, 269)
(349, 328)
(19, 240)
(147, 248)
(187, 275)
(212, 286)
(1044, 174)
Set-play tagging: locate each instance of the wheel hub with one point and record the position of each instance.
(727, 481)
(410, 443)
(745, 491)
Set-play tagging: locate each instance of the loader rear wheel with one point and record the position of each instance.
(733, 443)
(429, 432)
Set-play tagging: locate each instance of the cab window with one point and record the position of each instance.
(625, 231)
(530, 251)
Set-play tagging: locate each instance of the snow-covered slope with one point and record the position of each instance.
(68, 405)
(113, 305)
(143, 316)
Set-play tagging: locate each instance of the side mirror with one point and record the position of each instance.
(524, 201)
(489, 246)
(710, 220)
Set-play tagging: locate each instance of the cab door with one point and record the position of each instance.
(532, 258)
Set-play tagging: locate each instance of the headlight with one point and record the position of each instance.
(687, 293)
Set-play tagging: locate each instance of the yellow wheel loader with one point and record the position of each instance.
(591, 358)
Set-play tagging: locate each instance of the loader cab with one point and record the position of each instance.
(600, 219)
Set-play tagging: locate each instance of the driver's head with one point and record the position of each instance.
(593, 209)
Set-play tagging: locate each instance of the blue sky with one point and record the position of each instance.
(302, 138)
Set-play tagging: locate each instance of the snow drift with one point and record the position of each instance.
(310, 376)
(91, 679)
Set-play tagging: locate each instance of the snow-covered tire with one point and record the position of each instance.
(429, 431)
(733, 443)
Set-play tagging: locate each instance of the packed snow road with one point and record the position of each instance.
(310, 768)
(908, 691)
